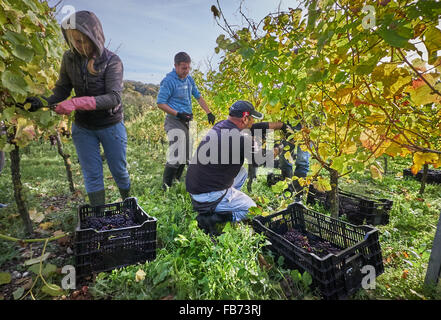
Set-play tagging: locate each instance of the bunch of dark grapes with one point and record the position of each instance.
(123, 220)
(312, 244)
(298, 239)
(53, 140)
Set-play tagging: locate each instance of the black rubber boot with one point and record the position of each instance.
(180, 171)
(208, 222)
(167, 178)
(97, 198)
(124, 193)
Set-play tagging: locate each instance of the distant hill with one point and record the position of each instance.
(146, 89)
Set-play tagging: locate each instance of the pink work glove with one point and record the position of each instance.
(80, 103)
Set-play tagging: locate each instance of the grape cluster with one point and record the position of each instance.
(53, 140)
(122, 220)
(311, 244)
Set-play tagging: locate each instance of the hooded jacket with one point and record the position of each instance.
(106, 86)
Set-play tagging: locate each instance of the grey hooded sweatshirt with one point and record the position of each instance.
(106, 87)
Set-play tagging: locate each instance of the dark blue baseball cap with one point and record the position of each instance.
(243, 108)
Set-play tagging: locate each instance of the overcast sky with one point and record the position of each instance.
(147, 34)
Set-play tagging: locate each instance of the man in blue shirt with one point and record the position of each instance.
(174, 98)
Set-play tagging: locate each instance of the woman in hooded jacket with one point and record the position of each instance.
(96, 75)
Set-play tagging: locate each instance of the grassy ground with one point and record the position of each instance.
(189, 264)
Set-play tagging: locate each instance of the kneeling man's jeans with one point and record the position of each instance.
(235, 200)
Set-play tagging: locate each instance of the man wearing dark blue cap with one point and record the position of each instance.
(215, 174)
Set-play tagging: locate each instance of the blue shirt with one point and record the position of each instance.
(177, 92)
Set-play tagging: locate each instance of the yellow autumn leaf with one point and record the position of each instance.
(46, 225)
(376, 172)
(315, 168)
(349, 148)
(377, 117)
(422, 95)
(419, 64)
(140, 275)
(322, 184)
(422, 158)
(400, 84)
(35, 216)
(438, 164)
(393, 149)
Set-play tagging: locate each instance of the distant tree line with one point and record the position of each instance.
(138, 97)
(146, 89)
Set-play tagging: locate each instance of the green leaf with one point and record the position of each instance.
(22, 52)
(364, 69)
(8, 147)
(8, 113)
(37, 46)
(5, 278)
(52, 289)
(14, 82)
(432, 40)
(312, 15)
(35, 268)
(45, 117)
(306, 279)
(338, 164)
(279, 186)
(18, 293)
(301, 87)
(14, 37)
(37, 260)
(296, 275)
(4, 53)
(246, 52)
(49, 269)
(31, 4)
(340, 77)
(393, 38)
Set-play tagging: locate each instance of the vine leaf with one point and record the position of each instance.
(52, 289)
(5, 277)
(14, 83)
(37, 260)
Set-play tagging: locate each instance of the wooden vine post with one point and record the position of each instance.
(18, 189)
(67, 162)
(434, 268)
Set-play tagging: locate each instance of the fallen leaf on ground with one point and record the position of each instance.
(35, 216)
(405, 273)
(417, 294)
(51, 209)
(46, 225)
(37, 260)
(140, 275)
(5, 277)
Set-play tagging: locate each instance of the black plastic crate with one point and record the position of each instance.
(336, 275)
(433, 176)
(358, 209)
(98, 251)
